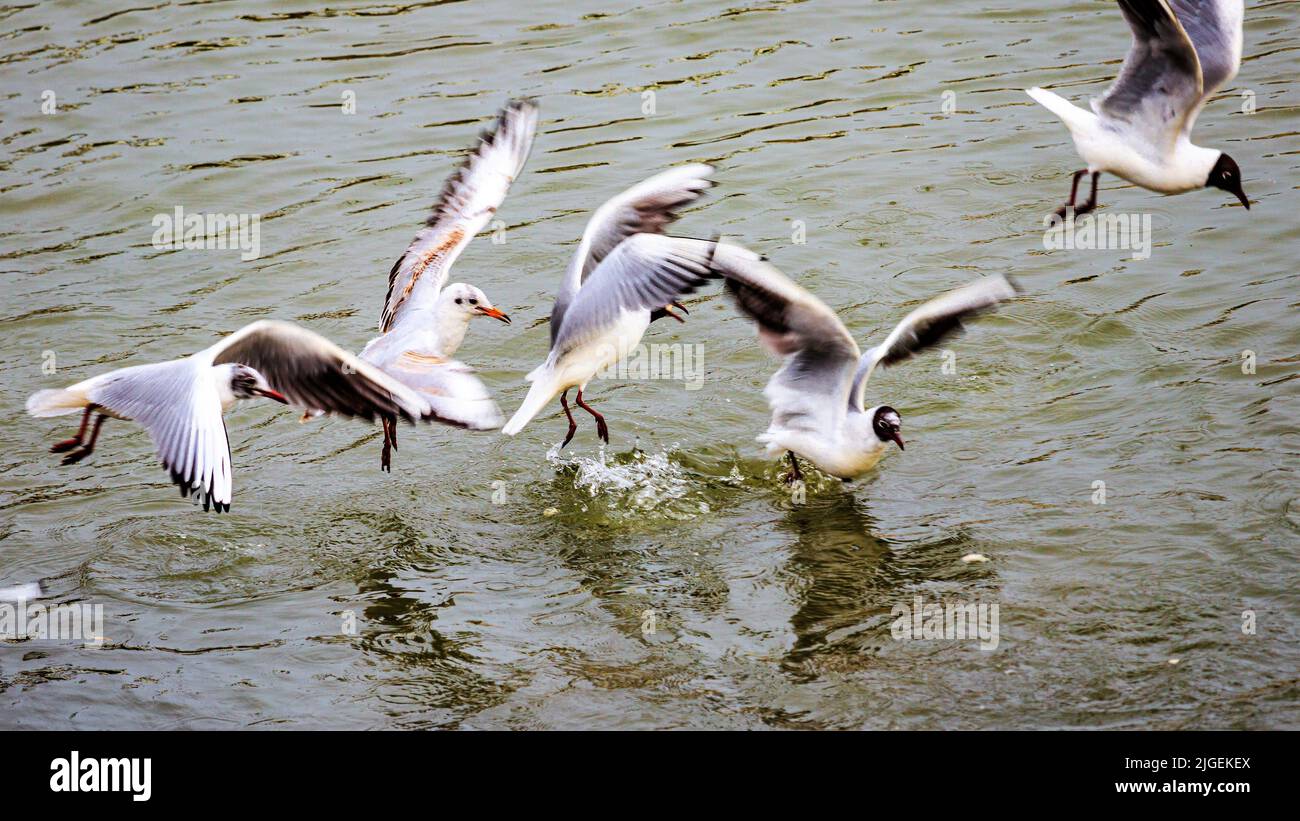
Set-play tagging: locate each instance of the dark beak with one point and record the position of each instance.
(270, 394)
(899, 441)
(495, 314)
(1241, 195)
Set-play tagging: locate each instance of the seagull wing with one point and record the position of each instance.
(315, 374)
(1160, 83)
(645, 208)
(1214, 27)
(177, 403)
(645, 271)
(469, 200)
(810, 390)
(928, 325)
(456, 395)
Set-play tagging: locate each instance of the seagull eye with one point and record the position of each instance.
(473, 302)
(458, 300)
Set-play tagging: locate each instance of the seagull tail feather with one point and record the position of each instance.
(1070, 114)
(541, 392)
(54, 402)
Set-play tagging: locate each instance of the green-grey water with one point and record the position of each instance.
(495, 583)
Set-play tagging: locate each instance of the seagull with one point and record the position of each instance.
(625, 274)
(423, 323)
(182, 402)
(1182, 52)
(818, 395)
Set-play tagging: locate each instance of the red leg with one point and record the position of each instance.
(1092, 198)
(69, 444)
(795, 475)
(1074, 191)
(573, 426)
(89, 448)
(602, 430)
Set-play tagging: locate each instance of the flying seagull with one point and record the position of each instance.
(423, 322)
(1182, 52)
(625, 274)
(818, 395)
(182, 402)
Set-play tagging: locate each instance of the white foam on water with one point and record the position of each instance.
(636, 483)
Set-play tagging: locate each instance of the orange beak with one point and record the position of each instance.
(668, 310)
(494, 313)
(270, 394)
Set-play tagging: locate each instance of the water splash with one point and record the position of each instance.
(632, 484)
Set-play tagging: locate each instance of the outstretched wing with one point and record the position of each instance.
(645, 271)
(469, 200)
(177, 403)
(315, 374)
(810, 390)
(1160, 83)
(928, 325)
(645, 208)
(1214, 27)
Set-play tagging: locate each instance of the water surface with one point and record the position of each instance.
(894, 137)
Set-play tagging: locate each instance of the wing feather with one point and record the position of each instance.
(811, 388)
(1160, 83)
(315, 374)
(456, 395)
(1215, 29)
(177, 403)
(645, 208)
(645, 272)
(468, 202)
(934, 321)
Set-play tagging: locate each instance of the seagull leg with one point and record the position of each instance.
(1074, 190)
(390, 443)
(89, 447)
(1092, 198)
(69, 444)
(602, 430)
(573, 426)
(795, 475)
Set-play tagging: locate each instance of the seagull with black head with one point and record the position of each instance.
(1183, 51)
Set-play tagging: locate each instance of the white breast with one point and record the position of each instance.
(831, 454)
(578, 365)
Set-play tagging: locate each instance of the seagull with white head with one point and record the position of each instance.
(425, 320)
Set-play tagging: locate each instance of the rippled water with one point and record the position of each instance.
(499, 583)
